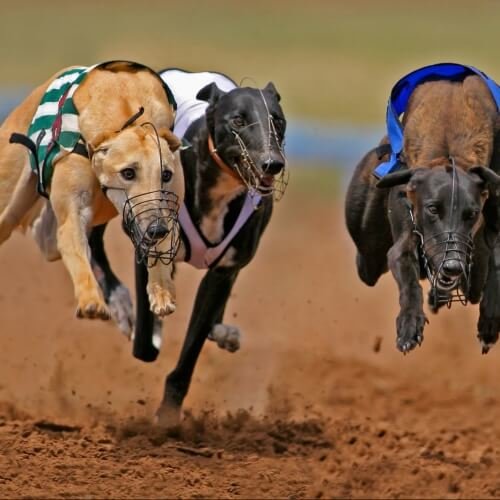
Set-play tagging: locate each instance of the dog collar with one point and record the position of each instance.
(400, 96)
(220, 162)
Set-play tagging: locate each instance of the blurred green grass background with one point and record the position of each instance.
(331, 60)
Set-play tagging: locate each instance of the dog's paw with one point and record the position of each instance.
(410, 328)
(92, 308)
(227, 337)
(486, 346)
(122, 310)
(161, 302)
(157, 333)
(488, 329)
(168, 416)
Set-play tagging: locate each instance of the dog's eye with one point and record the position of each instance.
(101, 151)
(128, 174)
(432, 209)
(472, 215)
(237, 121)
(166, 175)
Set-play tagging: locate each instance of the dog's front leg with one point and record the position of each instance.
(44, 231)
(488, 325)
(404, 265)
(208, 310)
(161, 289)
(73, 186)
(481, 256)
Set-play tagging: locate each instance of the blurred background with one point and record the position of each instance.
(334, 62)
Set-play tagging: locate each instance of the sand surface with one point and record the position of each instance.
(318, 402)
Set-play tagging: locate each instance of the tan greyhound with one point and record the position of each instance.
(128, 166)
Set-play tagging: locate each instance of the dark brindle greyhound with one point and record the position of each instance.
(233, 166)
(434, 212)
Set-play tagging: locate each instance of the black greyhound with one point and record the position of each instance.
(234, 160)
(427, 228)
(440, 217)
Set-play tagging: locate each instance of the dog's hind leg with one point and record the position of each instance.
(72, 193)
(18, 184)
(116, 294)
(371, 266)
(373, 239)
(208, 310)
(367, 222)
(44, 231)
(24, 197)
(227, 337)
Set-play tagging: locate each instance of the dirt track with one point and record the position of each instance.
(317, 403)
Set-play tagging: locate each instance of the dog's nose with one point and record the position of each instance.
(157, 231)
(452, 267)
(273, 167)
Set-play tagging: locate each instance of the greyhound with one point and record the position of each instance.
(234, 166)
(96, 151)
(434, 211)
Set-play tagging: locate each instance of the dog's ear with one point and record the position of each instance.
(486, 175)
(173, 141)
(395, 179)
(272, 90)
(210, 93)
